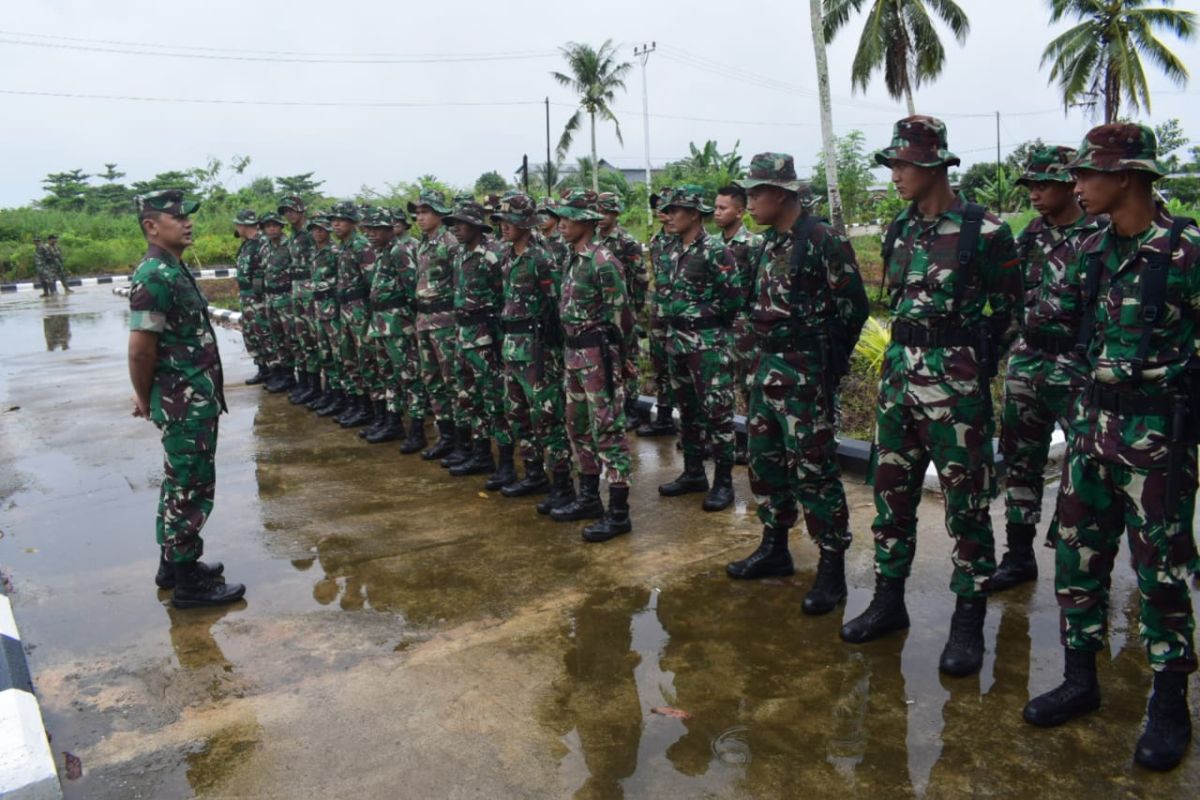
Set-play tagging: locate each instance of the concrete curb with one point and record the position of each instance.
(27, 768)
(199, 274)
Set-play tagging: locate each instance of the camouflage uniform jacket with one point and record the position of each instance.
(435, 277)
(921, 276)
(594, 299)
(478, 292)
(354, 261)
(394, 292)
(55, 259)
(41, 258)
(744, 246)
(164, 300)
(629, 252)
(556, 246)
(703, 289)
(830, 288)
(1139, 441)
(249, 267)
(324, 281)
(1053, 289)
(301, 246)
(276, 260)
(532, 282)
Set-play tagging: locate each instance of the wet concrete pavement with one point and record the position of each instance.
(406, 635)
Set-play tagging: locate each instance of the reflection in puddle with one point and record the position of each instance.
(58, 332)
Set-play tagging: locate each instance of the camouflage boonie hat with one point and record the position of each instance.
(609, 203)
(400, 217)
(246, 217)
(772, 169)
(345, 211)
(375, 217)
(517, 209)
(469, 212)
(662, 194)
(1119, 147)
(52, 237)
(1049, 164)
(321, 221)
(577, 204)
(293, 202)
(919, 140)
(37, 238)
(689, 195)
(434, 199)
(270, 216)
(168, 201)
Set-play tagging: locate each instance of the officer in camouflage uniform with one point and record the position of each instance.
(1045, 374)
(807, 308)
(249, 280)
(41, 261)
(935, 392)
(703, 293)
(662, 245)
(628, 251)
(1131, 463)
(354, 261)
(332, 401)
(437, 331)
(276, 260)
(532, 350)
(304, 320)
(175, 368)
(55, 267)
(597, 326)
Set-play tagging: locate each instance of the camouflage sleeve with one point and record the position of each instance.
(609, 276)
(151, 298)
(728, 292)
(545, 269)
(639, 281)
(845, 281)
(1005, 286)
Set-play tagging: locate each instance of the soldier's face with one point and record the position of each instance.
(766, 203)
(510, 232)
(462, 232)
(342, 228)
(548, 226)
(912, 181)
(247, 231)
(320, 236)
(399, 229)
(273, 230)
(1050, 198)
(427, 220)
(575, 231)
(610, 219)
(378, 237)
(170, 231)
(293, 216)
(681, 220)
(1099, 192)
(727, 211)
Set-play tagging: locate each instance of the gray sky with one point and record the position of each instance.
(772, 106)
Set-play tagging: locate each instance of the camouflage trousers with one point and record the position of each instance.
(279, 318)
(702, 385)
(633, 381)
(479, 386)
(46, 280)
(329, 334)
(958, 439)
(437, 349)
(406, 392)
(596, 417)
(351, 347)
(1030, 412)
(308, 353)
(535, 411)
(793, 459)
(252, 325)
(188, 486)
(1099, 502)
(378, 369)
(59, 272)
(743, 351)
(660, 364)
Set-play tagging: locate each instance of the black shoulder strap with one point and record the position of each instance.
(1094, 268)
(801, 235)
(1153, 290)
(967, 251)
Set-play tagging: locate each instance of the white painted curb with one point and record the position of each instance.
(232, 317)
(27, 770)
(28, 286)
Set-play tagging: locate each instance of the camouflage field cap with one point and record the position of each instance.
(689, 195)
(1119, 147)
(609, 203)
(516, 208)
(1049, 164)
(168, 201)
(658, 197)
(772, 169)
(375, 217)
(433, 198)
(321, 221)
(577, 204)
(246, 217)
(919, 140)
(52, 237)
(345, 210)
(469, 212)
(37, 238)
(294, 202)
(400, 217)
(270, 216)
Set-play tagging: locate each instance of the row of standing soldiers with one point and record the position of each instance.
(48, 265)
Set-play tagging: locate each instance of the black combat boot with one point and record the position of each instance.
(885, 614)
(615, 521)
(506, 473)
(562, 492)
(300, 388)
(1018, 565)
(692, 479)
(193, 588)
(633, 414)
(444, 444)
(462, 449)
(320, 396)
(829, 589)
(416, 436)
(314, 389)
(534, 482)
(741, 451)
(963, 653)
(663, 425)
(165, 579)
(362, 413)
(480, 461)
(260, 376)
(277, 380)
(336, 405)
(720, 497)
(378, 409)
(586, 506)
(1078, 694)
(287, 380)
(349, 408)
(770, 560)
(391, 430)
(1168, 724)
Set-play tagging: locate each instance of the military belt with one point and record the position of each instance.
(1050, 343)
(270, 291)
(480, 316)
(589, 339)
(1127, 402)
(324, 294)
(352, 295)
(796, 343)
(910, 335)
(435, 307)
(519, 325)
(388, 305)
(693, 324)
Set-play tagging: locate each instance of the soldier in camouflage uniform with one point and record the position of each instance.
(807, 308)
(697, 304)
(628, 251)
(354, 261)
(41, 261)
(1045, 374)
(175, 368)
(401, 226)
(597, 326)
(947, 261)
(276, 261)
(55, 267)
(437, 331)
(662, 245)
(550, 237)
(332, 401)
(304, 321)
(249, 281)
(743, 244)
(393, 319)
(1131, 463)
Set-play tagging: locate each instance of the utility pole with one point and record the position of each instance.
(836, 213)
(643, 53)
(997, 145)
(549, 188)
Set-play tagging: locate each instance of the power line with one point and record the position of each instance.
(285, 103)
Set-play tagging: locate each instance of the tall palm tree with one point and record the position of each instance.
(817, 25)
(899, 37)
(1102, 55)
(595, 75)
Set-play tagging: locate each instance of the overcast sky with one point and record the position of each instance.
(695, 92)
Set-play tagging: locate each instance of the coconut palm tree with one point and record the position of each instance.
(817, 24)
(899, 37)
(595, 75)
(1102, 55)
